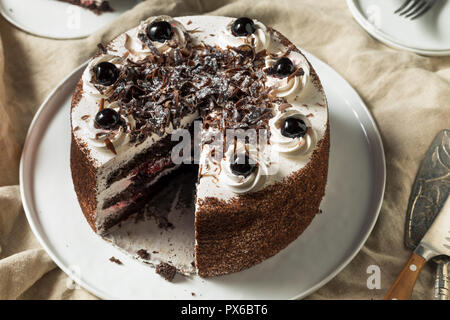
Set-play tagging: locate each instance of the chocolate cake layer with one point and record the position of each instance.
(139, 184)
(141, 199)
(160, 149)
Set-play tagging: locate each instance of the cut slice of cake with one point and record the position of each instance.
(231, 99)
(96, 6)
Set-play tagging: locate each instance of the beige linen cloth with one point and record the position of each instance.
(409, 96)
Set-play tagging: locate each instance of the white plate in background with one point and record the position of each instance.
(350, 209)
(426, 35)
(59, 20)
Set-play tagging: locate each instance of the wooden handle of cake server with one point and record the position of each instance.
(404, 284)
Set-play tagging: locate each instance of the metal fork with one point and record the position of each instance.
(413, 9)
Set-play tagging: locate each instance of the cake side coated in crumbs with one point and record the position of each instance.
(235, 235)
(83, 171)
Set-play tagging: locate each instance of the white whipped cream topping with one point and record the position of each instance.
(298, 146)
(312, 101)
(140, 50)
(238, 183)
(88, 86)
(289, 87)
(118, 137)
(260, 39)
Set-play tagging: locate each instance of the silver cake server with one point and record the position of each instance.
(428, 200)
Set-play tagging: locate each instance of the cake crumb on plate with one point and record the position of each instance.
(166, 270)
(115, 260)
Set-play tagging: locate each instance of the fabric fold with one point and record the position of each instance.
(20, 271)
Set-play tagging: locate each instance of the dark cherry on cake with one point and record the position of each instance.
(107, 118)
(282, 68)
(241, 165)
(105, 73)
(293, 127)
(242, 27)
(160, 31)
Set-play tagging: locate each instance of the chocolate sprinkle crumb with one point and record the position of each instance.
(101, 47)
(115, 260)
(143, 254)
(110, 146)
(166, 270)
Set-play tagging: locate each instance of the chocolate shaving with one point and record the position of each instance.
(163, 88)
(298, 72)
(101, 105)
(196, 30)
(102, 48)
(110, 146)
(284, 106)
(143, 254)
(146, 40)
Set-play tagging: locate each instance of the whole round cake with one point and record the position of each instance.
(230, 99)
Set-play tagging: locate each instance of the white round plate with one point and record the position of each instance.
(426, 35)
(350, 208)
(59, 20)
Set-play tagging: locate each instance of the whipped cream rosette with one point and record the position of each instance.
(118, 136)
(244, 183)
(300, 145)
(260, 39)
(91, 87)
(140, 44)
(292, 85)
